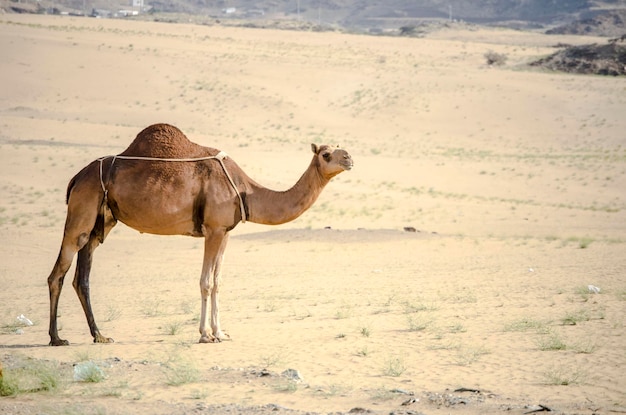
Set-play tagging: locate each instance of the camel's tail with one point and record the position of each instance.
(70, 186)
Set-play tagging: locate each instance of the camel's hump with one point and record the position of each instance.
(165, 141)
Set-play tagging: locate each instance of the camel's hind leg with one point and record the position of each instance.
(81, 285)
(55, 284)
(80, 235)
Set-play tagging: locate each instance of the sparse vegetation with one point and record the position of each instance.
(495, 59)
(562, 376)
(468, 355)
(173, 328)
(280, 357)
(573, 318)
(418, 322)
(31, 376)
(181, 372)
(551, 341)
(525, 324)
(394, 366)
(152, 307)
(286, 385)
(344, 312)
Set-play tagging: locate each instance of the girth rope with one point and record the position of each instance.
(219, 157)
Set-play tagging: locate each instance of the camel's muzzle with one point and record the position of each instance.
(347, 163)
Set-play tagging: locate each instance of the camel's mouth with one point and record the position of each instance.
(347, 163)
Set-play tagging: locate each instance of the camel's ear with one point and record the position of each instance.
(315, 148)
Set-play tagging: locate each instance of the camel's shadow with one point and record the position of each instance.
(22, 346)
(336, 235)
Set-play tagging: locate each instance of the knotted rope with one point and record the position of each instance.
(219, 157)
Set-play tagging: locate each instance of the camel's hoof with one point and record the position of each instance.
(59, 342)
(221, 336)
(207, 339)
(101, 339)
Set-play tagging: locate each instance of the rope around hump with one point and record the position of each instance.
(219, 157)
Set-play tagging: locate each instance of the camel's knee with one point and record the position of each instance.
(61, 266)
(77, 285)
(206, 287)
(205, 290)
(55, 283)
(82, 240)
(217, 283)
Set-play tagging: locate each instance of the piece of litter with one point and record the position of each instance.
(593, 289)
(24, 320)
(292, 374)
(88, 372)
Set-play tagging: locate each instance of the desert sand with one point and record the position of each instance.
(513, 178)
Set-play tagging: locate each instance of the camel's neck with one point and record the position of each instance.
(270, 207)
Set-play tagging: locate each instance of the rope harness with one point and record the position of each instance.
(219, 157)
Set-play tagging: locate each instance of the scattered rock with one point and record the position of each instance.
(448, 399)
(264, 373)
(537, 408)
(467, 390)
(403, 391)
(409, 401)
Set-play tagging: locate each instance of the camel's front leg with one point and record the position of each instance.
(214, 246)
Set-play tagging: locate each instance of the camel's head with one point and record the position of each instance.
(331, 160)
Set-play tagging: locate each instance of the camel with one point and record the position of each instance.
(165, 184)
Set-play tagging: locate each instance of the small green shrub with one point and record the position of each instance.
(32, 376)
(394, 366)
(551, 341)
(417, 322)
(562, 377)
(524, 324)
(181, 373)
(573, 318)
(8, 386)
(468, 355)
(173, 328)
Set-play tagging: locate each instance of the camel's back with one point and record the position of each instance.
(165, 141)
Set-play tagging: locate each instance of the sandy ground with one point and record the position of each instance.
(515, 180)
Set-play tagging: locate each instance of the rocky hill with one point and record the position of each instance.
(605, 23)
(344, 13)
(605, 59)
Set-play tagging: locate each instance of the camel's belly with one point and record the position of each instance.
(180, 222)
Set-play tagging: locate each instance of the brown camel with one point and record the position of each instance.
(197, 192)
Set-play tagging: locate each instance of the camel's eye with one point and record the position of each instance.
(326, 156)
